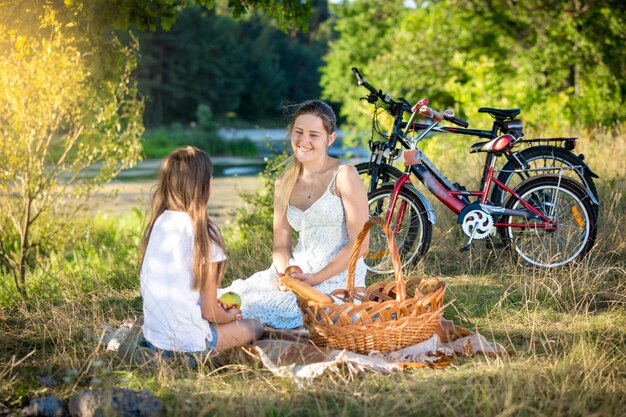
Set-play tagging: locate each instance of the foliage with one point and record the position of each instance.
(288, 14)
(362, 31)
(559, 61)
(98, 252)
(58, 121)
(148, 15)
(245, 67)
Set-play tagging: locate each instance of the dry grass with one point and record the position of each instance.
(565, 331)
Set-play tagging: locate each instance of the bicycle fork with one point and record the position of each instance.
(395, 228)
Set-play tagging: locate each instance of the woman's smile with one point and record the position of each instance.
(309, 139)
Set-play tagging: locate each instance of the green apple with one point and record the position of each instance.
(230, 300)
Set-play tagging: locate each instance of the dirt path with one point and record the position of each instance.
(120, 197)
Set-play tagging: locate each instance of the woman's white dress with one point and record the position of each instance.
(322, 233)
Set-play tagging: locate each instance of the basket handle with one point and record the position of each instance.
(395, 259)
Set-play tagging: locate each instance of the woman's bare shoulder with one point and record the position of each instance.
(347, 172)
(348, 180)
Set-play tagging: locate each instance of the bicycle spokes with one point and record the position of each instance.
(569, 211)
(409, 224)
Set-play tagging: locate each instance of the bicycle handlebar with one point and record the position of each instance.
(401, 104)
(449, 116)
(421, 106)
(364, 83)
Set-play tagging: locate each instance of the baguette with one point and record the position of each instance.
(304, 290)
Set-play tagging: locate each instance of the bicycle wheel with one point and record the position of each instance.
(562, 200)
(409, 224)
(388, 173)
(543, 160)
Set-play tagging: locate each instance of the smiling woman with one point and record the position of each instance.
(324, 201)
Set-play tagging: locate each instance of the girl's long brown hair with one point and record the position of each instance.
(184, 185)
(292, 171)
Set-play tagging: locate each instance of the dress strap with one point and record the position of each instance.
(333, 183)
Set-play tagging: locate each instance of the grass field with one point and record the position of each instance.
(564, 329)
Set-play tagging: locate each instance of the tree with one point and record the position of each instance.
(245, 66)
(572, 55)
(362, 30)
(559, 61)
(200, 60)
(146, 15)
(56, 123)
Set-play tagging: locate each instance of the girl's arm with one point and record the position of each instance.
(281, 249)
(212, 311)
(354, 197)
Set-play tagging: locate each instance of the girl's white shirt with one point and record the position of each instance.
(172, 313)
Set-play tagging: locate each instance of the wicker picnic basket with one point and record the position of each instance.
(385, 316)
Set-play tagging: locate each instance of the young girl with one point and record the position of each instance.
(183, 262)
(321, 198)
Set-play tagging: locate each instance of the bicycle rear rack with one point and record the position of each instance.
(559, 169)
(566, 143)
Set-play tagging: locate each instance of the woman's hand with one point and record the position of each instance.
(311, 279)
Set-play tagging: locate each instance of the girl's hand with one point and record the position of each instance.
(310, 279)
(234, 313)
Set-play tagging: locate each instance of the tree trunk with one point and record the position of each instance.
(23, 249)
(158, 105)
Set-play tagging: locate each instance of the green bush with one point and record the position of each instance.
(94, 253)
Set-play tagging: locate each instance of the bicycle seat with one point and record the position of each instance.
(497, 145)
(504, 113)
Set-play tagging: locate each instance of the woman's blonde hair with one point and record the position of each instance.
(292, 171)
(184, 185)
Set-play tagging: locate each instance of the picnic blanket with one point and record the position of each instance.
(291, 354)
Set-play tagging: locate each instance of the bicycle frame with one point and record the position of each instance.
(455, 199)
(568, 144)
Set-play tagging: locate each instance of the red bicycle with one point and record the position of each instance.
(548, 220)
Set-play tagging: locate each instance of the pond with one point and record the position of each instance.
(267, 140)
(229, 166)
(224, 166)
